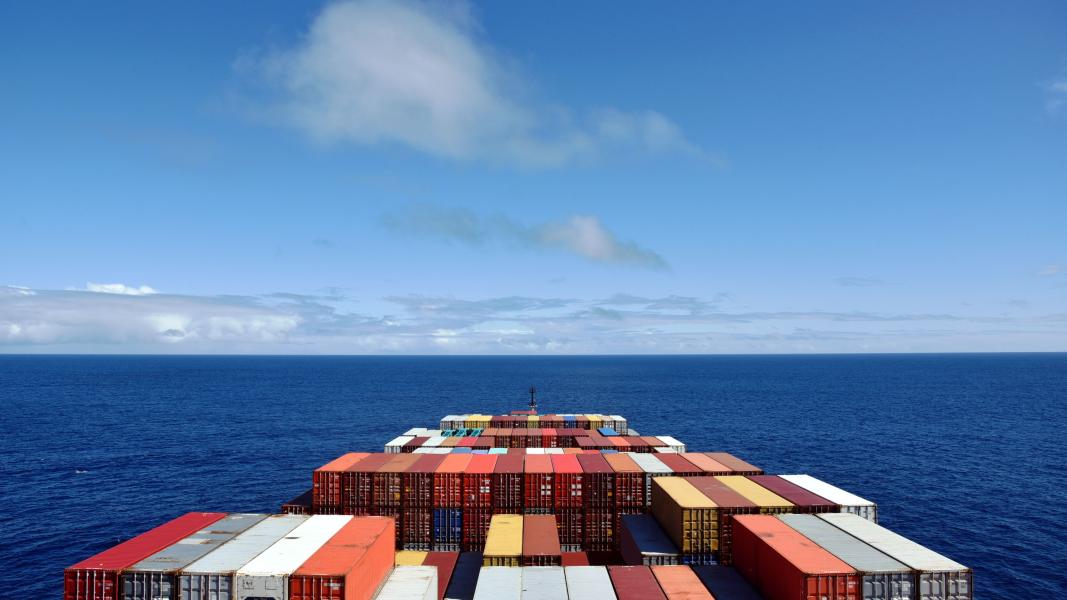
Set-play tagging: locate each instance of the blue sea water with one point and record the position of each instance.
(963, 453)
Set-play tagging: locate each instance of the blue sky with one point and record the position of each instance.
(371, 177)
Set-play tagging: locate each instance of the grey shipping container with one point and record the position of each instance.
(211, 577)
(883, 578)
(543, 583)
(939, 578)
(725, 583)
(643, 542)
(156, 576)
(499, 583)
(410, 583)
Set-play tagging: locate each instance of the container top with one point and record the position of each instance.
(622, 463)
(538, 463)
(801, 552)
(649, 463)
(400, 440)
(342, 463)
(409, 583)
(346, 549)
(635, 583)
(754, 491)
(652, 440)
(482, 463)
(635, 440)
(619, 442)
(607, 431)
(509, 463)
(678, 464)
(725, 583)
(499, 583)
(593, 463)
(149, 542)
(554, 451)
(498, 451)
(193, 547)
(543, 583)
(409, 558)
(534, 451)
(540, 536)
(288, 553)
(858, 554)
(415, 431)
(680, 582)
(436, 440)
(896, 546)
(733, 462)
(719, 493)
(589, 583)
(464, 576)
(670, 441)
(706, 463)
(505, 536)
(445, 562)
(399, 463)
(832, 493)
(371, 463)
(565, 463)
(682, 492)
(648, 536)
(235, 553)
(427, 463)
(792, 492)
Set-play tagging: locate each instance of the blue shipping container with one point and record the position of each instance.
(447, 526)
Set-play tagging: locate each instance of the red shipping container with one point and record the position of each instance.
(517, 451)
(466, 442)
(654, 441)
(540, 541)
(417, 528)
(784, 565)
(629, 480)
(598, 530)
(581, 422)
(571, 522)
(419, 481)
(357, 483)
(637, 444)
(738, 466)
(620, 444)
(568, 487)
(97, 577)
(538, 483)
(635, 583)
(598, 485)
(508, 481)
(707, 464)
(350, 566)
(575, 559)
(805, 501)
(326, 483)
(730, 503)
(448, 481)
(478, 481)
(449, 442)
(301, 505)
(549, 439)
(475, 527)
(446, 564)
(680, 466)
(414, 443)
(388, 481)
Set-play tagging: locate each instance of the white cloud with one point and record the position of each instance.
(370, 71)
(1052, 270)
(1056, 95)
(119, 288)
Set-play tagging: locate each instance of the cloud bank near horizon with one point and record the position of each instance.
(281, 323)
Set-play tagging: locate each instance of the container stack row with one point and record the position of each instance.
(617, 423)
(473, 440)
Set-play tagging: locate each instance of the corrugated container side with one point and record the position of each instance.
(538, 483)
(725, 583)
(351, 565)
(540, 541)
(508, 482)
(418, 481)
(416, 529)
(689, 517)
(410, 583)
(503, 544)
(476, 527)
(266, 577)
(643, 542)
(680, 583)
(499, 583)
(598, 529)
(357, 483)
(478, 481)
(571, 522)
(598, 489)
(568, 481)
(635, 583)
(447, 529)
(326, 482)
(589, 583)
(448, 481)
(849, 502)
(97, 577)
(388, 480)
(302, 505)
(768, 502)
(805, 501)
(730, 503)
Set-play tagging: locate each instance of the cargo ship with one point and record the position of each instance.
(528, 505)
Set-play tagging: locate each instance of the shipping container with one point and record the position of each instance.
(415, 431)
(415, 528)
(212, 577)
(671, 443)
(503, 543)
(97, 577)
(688, 516)
(446, 565)
(410, 583)
(738, 466)
(725, 583)
(729, 503)
(598, 484)
(478, 481)
(635, 583)
(301, 505)
(326, 483)
(575, 559)
(629, 481)
(476, 527)
(409, 558)
(708, 465)
(589, 583)
(388, 481)
(156, 576)
(767, 501)
(418, 481)
(882, 577)
(397, 444)
(598, 529)
(540, 541)
(266, 577)
(568, 480)
(464, 577)
(350, 565)
(681, 583)
(357, 483)
(643, 542)
(849, 502)
(543, 583)
(499, 583)
(508, 482)
(447, 529)
(679, 465)
(784, 565)
(571, 522)
(538, 484)
(939, 578)
(448, 481)
(802, 499)
(653, 467)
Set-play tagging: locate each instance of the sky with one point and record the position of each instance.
(367, 177)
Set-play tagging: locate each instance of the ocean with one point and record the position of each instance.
(963, 453)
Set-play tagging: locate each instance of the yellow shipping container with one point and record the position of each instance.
(503, 543)
(595, 422)
(410, 558)
(688, 516)
(768, 502)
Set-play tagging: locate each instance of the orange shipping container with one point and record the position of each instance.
(680, 583)
(350, 566)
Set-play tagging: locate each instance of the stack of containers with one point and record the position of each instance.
(568, 482)
(301, 505)
(357, 484)
(326, 482)
(881, 577)
(643, 542)
(351, 565)
(448, 499)
(738, 466)
(653, 467)
(410, 583)
(388, 487)
(417, 498)
(97, 577)
(598, 494)
(538, 485)
(784, 565)
(540, 541)
(629, 482)
(672, 443)
(938, 577)
(156, 576)
(477, 506)
(728, 503)
(635, 583)
(397, 444)
(266, 577)
(213, 575)
(849, 503)
(589, 583)
(768, 502)
(681, 583)
(503, 543)
(508, 483)
(689, 517)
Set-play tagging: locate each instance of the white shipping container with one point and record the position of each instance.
(266, 577)
(416, 432)
(434, 441)
(652, 466)
(212, 575)
(620, 424)
(396, 446)
(499, 583)
(410, 583)
(440, 450)
(554, 451)
(665, 450)
(589, 583)
(543, 583)
(672, 443)
(535, 451)
(939, 577)
(424, 450)
(850, 503)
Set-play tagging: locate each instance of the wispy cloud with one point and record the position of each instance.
(580, 235)
(421, 75)
(119, 288)
(1052, 270)
(1056, 95)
